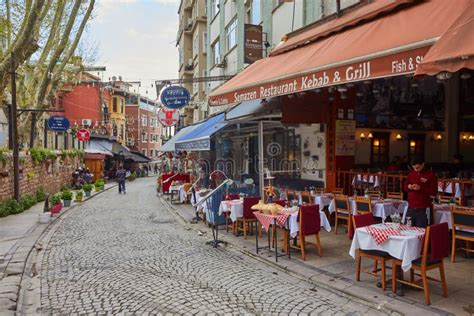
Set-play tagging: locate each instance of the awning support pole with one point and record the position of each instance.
(260, 159)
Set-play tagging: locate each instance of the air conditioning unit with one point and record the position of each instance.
(87, 122)
(221, 62)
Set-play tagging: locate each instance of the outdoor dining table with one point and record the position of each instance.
(442, 214)
(380, 207)
(179, 188)
(267, 220)
(447, 187)
(293, 221)
(235, 207)
(404, 244)
(371, 180)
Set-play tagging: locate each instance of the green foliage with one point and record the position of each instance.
(3, 155)
(14, 207)
(27, 201)
(65, 187)
(87, 187)
(99, 183)
(72, 153)
(41, 154)
(4, 211)
(55, 199)
(79, 194)
(40, 195)
(66, 195)
(132, 176)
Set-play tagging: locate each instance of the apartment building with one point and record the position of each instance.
(192, 47)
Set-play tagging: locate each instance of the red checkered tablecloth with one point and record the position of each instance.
(267, 219)
(415, 229)
(381, 234)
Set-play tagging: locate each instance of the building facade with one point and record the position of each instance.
(143, 128)
(192, 41)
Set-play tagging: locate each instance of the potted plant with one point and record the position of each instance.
(102, 186)
(87, 189)
(56, 204)
(97, 185)
(66, 195)
(79, 196)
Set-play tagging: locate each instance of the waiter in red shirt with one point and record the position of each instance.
(421, 184)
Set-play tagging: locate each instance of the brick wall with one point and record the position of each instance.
(51, 175)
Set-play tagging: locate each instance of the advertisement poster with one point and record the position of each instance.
(345, 137)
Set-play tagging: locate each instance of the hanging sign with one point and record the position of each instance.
(58, 123)
(253, 50)
(175, 97)
(168, 117)
(83, 135)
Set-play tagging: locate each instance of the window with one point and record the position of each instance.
(144, 137)
(196, 44)
(256, 12)
(122, 131)
(144, 151)
(114, 105)
(152, 122)
(214, 7)
(231, 34)
(379, 150)
(144, 120)
(416, 146)
(204, 42)
(122, 106)
(216, 53)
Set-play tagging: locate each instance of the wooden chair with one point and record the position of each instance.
(306, 197)
(319, 190)
(187, 189)
(343, 211)
(395, 195)
(449, 199)
(364, 220)
(374, 194)
(337, 190)
(290, 196)
(435, 248)
(363, 205)
(462, 218)
(309, 224)
(248, 217)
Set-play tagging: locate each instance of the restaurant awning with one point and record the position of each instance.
(199, 138)
(138, 157)
(251, 109)
(169, 146)
(454, 50)
(375, 44)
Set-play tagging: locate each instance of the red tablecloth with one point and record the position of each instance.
(166, 185)
(267, 219)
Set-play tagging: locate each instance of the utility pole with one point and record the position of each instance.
(14, 124)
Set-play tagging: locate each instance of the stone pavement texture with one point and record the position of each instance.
(126, 254)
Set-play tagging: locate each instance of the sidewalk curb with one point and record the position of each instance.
(383, 306)
(29, 295)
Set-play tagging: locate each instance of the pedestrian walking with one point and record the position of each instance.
(421, 184)
(156, 168)
(121, 175)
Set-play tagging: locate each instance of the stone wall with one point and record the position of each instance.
(50, 175)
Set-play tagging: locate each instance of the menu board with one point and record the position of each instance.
(345, 137)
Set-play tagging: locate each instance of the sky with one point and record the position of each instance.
(135, 39)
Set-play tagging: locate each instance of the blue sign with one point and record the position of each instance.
(175, 97)
(58, 123)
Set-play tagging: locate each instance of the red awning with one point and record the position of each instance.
(387, 46)
(455, 48)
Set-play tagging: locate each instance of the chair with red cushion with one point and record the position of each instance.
(232, 196)
(309, 224)
(364, 220)
(228, 221)
(281, 202)
(435, 249)
(248, 216)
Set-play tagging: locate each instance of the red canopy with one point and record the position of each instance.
(454, 50)
(374, 47)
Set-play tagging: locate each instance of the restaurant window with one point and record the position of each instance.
(216, 53)
(416, 146)
(204, 42)
(256, 12)
(122, 106)
(114, 105)
(231, 34)
(379, 157)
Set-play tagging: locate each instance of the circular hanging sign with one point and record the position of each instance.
(58, 123)
(168, 117)
(175, 97)
(83, 135)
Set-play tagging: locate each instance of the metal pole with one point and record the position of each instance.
(10, 127)
(32, 130)
(14, 123)
(45, 143)
(260, 159)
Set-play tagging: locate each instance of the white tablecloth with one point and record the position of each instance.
(235, 207)
(448, 188)
(293, 222)
(322, 200)
(442, 214)
(366, 179)
(406, 247)
(181, 193)
(381, 209)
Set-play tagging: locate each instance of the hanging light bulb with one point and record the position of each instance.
(465, 76)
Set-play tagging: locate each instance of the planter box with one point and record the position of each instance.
(67, 202)
(97, 189)
(87, 193)
(56, 208)
(102, 188)
(78, 199)
(44, 218)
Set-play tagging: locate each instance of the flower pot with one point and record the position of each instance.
(67, 202)
(97, 189)
(78, 198)
(102, 188)
(55, 209)
(44, 218)
(88, 193)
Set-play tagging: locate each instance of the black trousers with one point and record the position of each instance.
(418, 217)
(121, 186)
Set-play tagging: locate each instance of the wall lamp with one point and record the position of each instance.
(437, 138)
(399, 137)
(467, 138)
(366, 138)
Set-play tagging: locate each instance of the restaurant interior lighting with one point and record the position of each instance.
(364, 137)
(438, 137)
(399, 137)
(464, 138)
(465, 75)
(412, 143)
(342, 89)
(444, 75)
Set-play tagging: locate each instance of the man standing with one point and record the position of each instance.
(421, 184)
(121, 175)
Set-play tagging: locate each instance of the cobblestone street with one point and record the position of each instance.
(125, 254)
